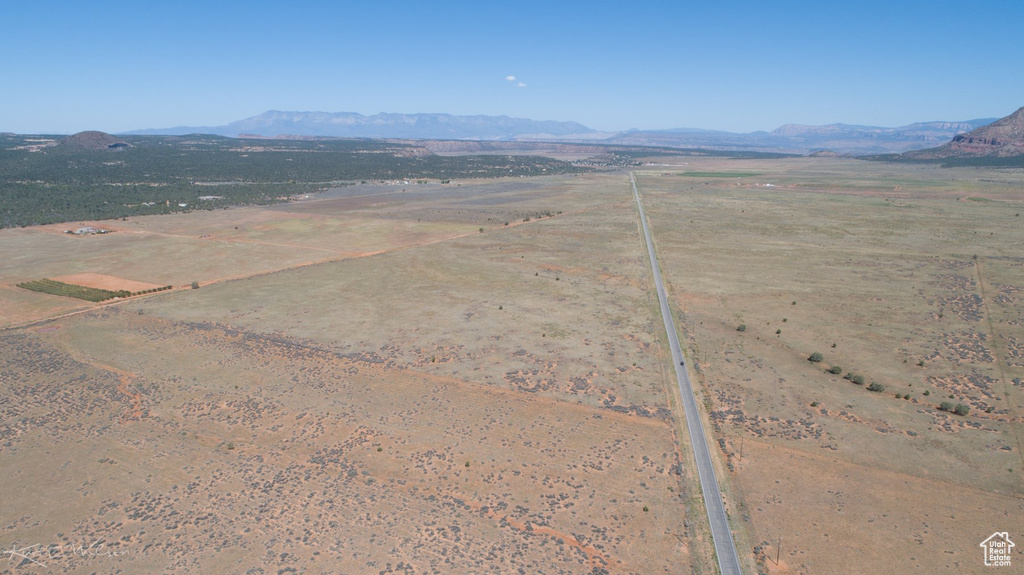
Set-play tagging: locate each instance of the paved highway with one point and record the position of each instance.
(725, 548)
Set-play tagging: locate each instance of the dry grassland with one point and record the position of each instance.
(433, 400)
(367, 383)
(888, 272)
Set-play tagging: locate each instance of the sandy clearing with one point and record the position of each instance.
(101, 281)
(831, 514)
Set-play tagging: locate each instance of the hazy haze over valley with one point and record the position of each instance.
(790, 138)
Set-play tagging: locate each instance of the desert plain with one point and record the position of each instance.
(473, 377)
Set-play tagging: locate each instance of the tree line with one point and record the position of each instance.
(158, 173)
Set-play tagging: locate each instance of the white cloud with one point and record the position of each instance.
(521, 85)
(510, 78)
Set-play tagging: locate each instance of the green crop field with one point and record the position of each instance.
(54, 287)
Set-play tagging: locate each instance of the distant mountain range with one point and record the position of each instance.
(415, 126)
(839, 139)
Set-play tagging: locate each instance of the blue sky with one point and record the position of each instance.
(67, 66)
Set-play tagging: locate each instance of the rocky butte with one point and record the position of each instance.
(1003, 138)
(93, 140)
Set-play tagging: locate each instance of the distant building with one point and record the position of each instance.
(87, 231)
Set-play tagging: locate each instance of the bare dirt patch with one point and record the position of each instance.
(835, 517)
(101, 281)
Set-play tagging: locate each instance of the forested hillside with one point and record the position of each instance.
(44, 181)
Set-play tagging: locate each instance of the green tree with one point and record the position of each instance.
(815, 357)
